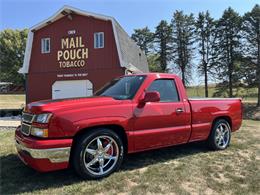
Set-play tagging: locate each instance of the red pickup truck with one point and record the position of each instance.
(130, 114)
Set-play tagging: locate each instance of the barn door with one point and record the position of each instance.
(72, 88)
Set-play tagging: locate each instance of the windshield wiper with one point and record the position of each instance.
(104, 96)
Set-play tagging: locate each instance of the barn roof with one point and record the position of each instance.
(130, 55)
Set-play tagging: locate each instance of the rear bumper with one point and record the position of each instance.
(43, 155)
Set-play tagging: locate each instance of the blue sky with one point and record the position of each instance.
(130, 14)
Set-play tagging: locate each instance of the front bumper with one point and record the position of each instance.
(43, 155)
(55, 155)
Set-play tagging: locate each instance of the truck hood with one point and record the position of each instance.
(69, 103)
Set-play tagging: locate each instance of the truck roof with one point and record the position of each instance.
(155, 74)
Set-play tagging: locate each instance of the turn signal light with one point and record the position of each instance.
(39, 132)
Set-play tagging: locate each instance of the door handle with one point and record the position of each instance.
(179, 110)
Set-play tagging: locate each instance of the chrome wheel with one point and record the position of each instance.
(222, 135)
(101, 155)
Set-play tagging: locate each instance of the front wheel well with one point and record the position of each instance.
(119, 130)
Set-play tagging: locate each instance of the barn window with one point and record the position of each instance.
(46, 45)
(99, 40)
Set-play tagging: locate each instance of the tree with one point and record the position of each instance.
(183, 39)
(204, 35)
(12, 48)
(227, 48)
(144, 39)
(251, 37)
(154, 65)
(163, 41)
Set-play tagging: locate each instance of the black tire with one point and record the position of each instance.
(80, 153)
(214, 139)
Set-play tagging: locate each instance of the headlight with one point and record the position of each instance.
(42, 118)
(39, 132)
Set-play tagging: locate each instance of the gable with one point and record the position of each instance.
(130, 55)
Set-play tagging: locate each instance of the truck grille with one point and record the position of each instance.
(27, 120)
(26, 129)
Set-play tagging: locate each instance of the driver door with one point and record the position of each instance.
(162, 123)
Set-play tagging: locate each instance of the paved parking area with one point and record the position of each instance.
(9, 123)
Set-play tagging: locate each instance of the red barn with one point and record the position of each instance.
(73, 53)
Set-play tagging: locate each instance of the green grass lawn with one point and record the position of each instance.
(247, 94)
(185, 169)
(199, 91)
(12, 101)
(17, 101)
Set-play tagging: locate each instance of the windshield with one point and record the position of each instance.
(122, 88)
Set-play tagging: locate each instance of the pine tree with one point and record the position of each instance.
(163, 41)
(205, 37)
(227, 48)
(144, 39)
(251, 37)
(183, 40)
(154, 64)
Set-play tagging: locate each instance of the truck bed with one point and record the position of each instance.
(204, 111)
(213, 99)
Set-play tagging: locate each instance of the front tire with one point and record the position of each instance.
(97, 154)
(220, 135)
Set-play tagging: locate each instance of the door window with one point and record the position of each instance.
(166, 88)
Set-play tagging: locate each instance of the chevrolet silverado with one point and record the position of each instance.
(132, 113)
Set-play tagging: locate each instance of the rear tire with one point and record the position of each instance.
(97, 154)
(220, 135)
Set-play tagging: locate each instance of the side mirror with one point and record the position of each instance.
(150, 96)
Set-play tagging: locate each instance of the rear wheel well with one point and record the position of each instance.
(226, 118)
(116, 128)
